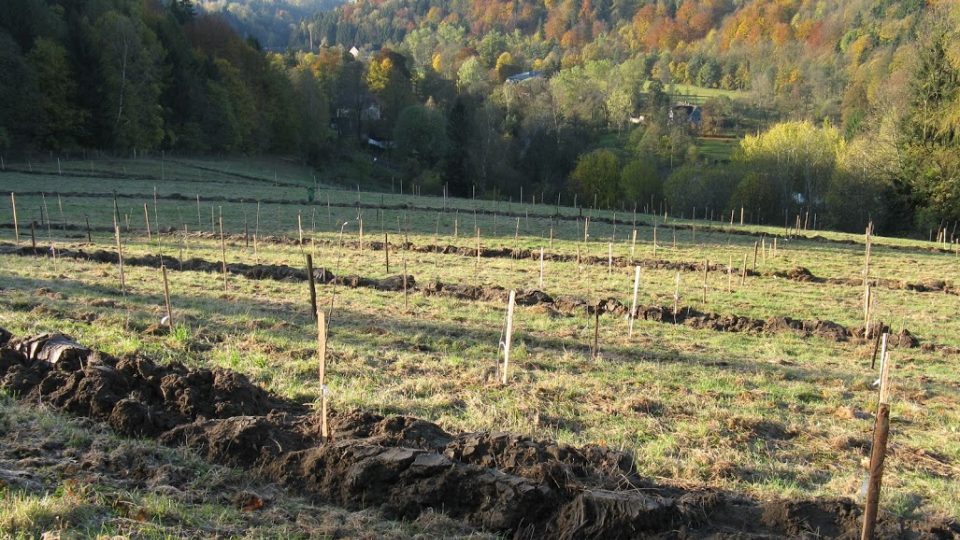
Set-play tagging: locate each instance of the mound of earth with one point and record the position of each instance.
(405, 466)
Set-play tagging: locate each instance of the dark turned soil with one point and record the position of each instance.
(503, 482)
(566, 305)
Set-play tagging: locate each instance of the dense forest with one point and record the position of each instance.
(847, 111)
(271, 22)
(126, 75)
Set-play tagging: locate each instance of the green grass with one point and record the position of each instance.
(770, 415)
(86, 482)
(698, 94)
(717, 149)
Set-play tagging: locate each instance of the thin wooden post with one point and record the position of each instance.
(63, 219)
(730, 275)
(116, 233)
(654, 241)
(223, 253)
(676, 297)
(300, 230)
(867, 297)
(16, 224)
(541, 268)
(508, 337)
(586, 229)
(166, 297)
(477, 266)
(756, 246)
(881, 432)
(146, 218)
(609, 257)
(633, 244)
(741, 216)
(313, 285)
(33, 236)
(706, 270)
(361, 232)
(89, 236)
(386, 250)
(403, 259)
(636, 290)
(322, 359)
(256, 234)
(596, 331)
(743, 270)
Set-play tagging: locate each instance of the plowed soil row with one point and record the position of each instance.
(404, 466)
(717, 229)
(566, 305)
(799, 274)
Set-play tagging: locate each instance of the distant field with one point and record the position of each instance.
(769, 414)
(699, 94)
(717, 149)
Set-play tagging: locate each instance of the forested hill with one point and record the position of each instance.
(809, 54)
(271, 22)
(126, 75)
(844, 111)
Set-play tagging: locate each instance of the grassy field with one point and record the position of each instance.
(773, 415)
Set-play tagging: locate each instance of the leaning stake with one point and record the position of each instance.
(322, 357)
(636, 289)
(507, 337)
(313, 285)
(881, 433)
(166, 297)
(16, 226)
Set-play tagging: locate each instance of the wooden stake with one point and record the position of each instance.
(322, 359)
(706, 270)
(16, 225)
(33, 236)
(881, 432)
(146, 219)
(386, 250)
(541, 268)
(654, 241)
(730, 275)
(596, 331)
(223, 253)
(406, 304)
(63, 220)
(508, 338)
(633, 244)
(166, 297)
(476, 268)
(256, 234)
(609, 257)
(756, 246)
(743, 270)
(313, 285)
(636, 290)
(586, 229)
(116, 233)
(300, 230)
(676, 297)
(89, 236)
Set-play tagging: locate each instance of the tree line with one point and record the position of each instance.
(845, 111)
(125, 75)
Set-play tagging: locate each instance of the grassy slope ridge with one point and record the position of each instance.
(771, 415)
